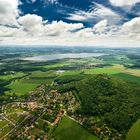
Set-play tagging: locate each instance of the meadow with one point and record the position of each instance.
(128, 77)
(135, 72)
(19, 88)
(107, 70)
(134, 132)
(10, 76)
(24, 85)
(71, 130)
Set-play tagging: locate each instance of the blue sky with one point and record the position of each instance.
(112, 23)
(62, 9)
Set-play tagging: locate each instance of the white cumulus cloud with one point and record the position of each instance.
(9, 12)
(132, 28)
(60, 27)
(35, 25)
(101, 26)
(33, 29)
(31, 23)
(124, 2)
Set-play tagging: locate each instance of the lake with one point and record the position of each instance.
(62, 56)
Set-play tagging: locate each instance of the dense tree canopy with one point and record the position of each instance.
(116, 101)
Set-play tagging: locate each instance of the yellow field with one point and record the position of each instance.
(135, 72)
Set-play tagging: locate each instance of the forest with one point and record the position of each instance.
(114, 101)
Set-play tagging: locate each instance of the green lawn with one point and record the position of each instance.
(70, 130)
(128, 77)
(134, 132)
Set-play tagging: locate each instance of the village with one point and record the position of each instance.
(40, 113)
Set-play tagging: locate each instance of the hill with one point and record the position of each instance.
(108, 104)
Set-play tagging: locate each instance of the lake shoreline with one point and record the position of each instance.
(62, 56)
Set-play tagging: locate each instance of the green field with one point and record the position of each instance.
(134, 132)
(16, 117)
(3, 123)
(135, 72)
(107, 70)
(40, 74)
(128, 77)
(70, 130)
(24, 85)
(55, 65)
(5, 130)
(20, 88)
(75, 72)
(12, 76)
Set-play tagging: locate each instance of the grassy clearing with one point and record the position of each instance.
(128, 77)
(108, 70)
(134, 132)
(70, 130)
